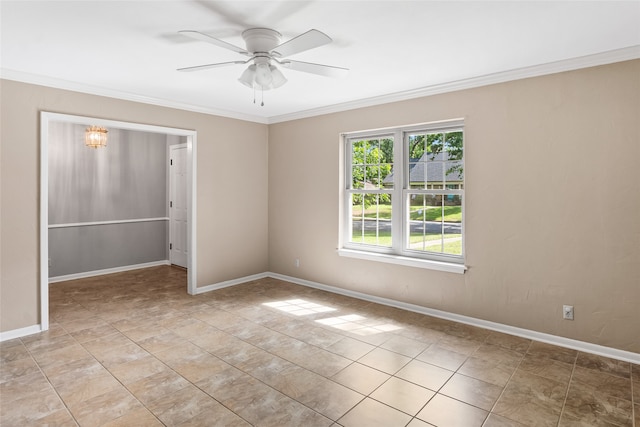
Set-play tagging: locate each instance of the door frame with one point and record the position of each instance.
(45, 118)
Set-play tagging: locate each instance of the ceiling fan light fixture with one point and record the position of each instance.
(278, 79)
(248, 76)
(263, 76)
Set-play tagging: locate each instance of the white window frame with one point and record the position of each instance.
(398, 253)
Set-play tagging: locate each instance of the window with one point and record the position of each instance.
(404, 194)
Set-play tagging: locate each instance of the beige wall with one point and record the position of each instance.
(232, 162)
(552, 200)
(552, 204)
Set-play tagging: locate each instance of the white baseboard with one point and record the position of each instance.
(512, 330)
(586, 347)
(227, 283)
(107, 271)
(18, 333)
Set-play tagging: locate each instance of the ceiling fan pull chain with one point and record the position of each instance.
(262, 103)
(254, 94)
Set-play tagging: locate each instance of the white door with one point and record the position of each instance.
(178, 205)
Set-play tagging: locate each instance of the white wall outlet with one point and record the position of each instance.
(567, 312)
(297, 262)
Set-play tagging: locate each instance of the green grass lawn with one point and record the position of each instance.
(384, 239)
(453, 248)
(428, 213)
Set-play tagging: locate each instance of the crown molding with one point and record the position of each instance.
(609, 57)
(40, 80)
(603, 58)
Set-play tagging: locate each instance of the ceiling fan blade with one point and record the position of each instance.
(210, 39)
(305, 41)
(207, 66)
(322, 70)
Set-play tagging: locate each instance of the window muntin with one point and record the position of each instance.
(425, 192)
(371, 219)
(435, 180)
(435, 223)
(435, 160)
(370, 162)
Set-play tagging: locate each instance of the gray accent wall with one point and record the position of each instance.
(127, 180)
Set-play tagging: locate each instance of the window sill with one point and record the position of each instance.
(403, 260)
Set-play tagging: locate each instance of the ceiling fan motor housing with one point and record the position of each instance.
(261, 39)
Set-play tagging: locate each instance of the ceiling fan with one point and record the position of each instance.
(264, 49)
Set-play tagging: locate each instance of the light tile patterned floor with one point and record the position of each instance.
(133, 349)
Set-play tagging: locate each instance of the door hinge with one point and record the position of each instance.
(170, 246)
(171, 204)
(171, 162)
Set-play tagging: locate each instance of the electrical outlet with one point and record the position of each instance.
(567, 312)
(297, 262)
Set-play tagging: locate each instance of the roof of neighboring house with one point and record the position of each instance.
(433, 166)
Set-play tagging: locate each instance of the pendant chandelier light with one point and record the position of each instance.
(95, 137)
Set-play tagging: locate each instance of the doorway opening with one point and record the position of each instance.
(187, 138)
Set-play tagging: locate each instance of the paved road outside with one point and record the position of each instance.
(430, 227)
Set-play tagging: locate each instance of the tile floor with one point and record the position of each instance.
(133, 349)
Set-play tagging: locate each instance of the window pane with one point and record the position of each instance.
(357, 176)
(435, 223)
(417, 145)
(435, 145)
(435, 159)
(385, 178)
(386, 148)
(357, 150)
(371, 219)
(417, 176)
(372, 163)
(453, 173)
(453, 145)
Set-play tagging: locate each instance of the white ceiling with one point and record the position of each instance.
(394, 49)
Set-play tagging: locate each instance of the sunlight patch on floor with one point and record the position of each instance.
(299, 307)
(357, 324)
